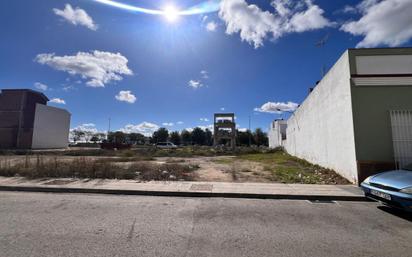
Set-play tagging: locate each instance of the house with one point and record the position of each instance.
(26, 122)
(277, 133)
(358, 118)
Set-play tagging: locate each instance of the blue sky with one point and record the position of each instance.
(243, 55)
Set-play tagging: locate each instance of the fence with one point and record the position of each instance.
(401, 122)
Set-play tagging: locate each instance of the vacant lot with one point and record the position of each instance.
(184, 164)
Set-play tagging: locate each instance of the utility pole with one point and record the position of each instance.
(108, 131)
(250, 133)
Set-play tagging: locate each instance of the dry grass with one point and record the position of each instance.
(288, 169)
(83, 167)
(144, 151)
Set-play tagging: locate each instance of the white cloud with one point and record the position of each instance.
(202, 127)
(57, 101)
(222, 109)
(126, 96)
(97, 66)
(145, 128)
(68, 88)
(385, 22)
(86, 127)
(279, 107)
(349, 9)
(255, 25)
(179, 122)
(40, 86)
(211, 26)
(310, 19)
(76, 16)
(209, 127)
(168, 124)
(195, 84)
(204, 74)
(204, 119)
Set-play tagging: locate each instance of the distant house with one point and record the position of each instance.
(358, 118)
(277, 133)
(26, 122)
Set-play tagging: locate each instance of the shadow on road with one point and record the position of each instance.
(397, 212)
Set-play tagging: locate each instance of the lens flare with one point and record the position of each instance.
(170, 12)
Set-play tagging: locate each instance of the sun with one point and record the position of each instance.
(171, 13)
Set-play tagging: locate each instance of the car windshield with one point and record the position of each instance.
(408, 167)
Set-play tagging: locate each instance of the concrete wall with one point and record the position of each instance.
(17, 107)
(321, 130)
(276, 130)
(372, 122)
(377, 89)
(51, 127)
(383, 64)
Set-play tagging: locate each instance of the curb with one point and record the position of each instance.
(359, 198)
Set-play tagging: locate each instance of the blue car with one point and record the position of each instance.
(393, 188)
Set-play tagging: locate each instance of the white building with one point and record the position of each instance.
(277, 133)
(358, 119)
(26, 122)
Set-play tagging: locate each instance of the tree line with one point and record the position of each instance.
(197, 136)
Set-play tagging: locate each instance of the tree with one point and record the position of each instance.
(94, 139)
(136, 138)
(87, 135)
(208, 137)
(77, 135)
(198, 136)
(161, 135)
(260, 137)
(101, 136)
(186, 137)
(117, 137)
(97, 137)
(175, 138)
(245, 138)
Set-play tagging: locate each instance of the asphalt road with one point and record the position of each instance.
(40, 224)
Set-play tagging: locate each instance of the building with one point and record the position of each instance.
(358, 118)
(277, 133)
(224, 129)
(26, 122)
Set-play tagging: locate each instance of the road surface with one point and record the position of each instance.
(40, 224)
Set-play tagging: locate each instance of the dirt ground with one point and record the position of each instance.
(223, 168)
(264, 168)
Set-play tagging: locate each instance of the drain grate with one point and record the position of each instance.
(201, 187)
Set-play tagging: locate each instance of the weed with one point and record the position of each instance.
(84, 167)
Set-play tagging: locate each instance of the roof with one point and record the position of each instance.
(28, 90)
(224, 114)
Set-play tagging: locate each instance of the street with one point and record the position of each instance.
(41, 224)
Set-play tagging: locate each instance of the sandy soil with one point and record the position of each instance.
(223, 168)
(216, 169)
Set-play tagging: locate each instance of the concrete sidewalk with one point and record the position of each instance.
(186, 189)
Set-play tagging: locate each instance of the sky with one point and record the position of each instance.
(173, 64)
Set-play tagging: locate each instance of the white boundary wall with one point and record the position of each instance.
(51, 127)
(321, 130)
(275, 133)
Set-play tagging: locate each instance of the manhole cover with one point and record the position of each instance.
(201, 187)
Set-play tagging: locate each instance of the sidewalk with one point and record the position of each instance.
(186, 189)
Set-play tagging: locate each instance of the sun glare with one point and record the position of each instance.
(171, 13)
